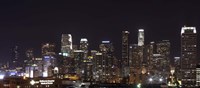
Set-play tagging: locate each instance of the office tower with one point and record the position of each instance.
(163, 48)
(83, 44)
(98, 66)
(48, 49)
(188, 56)
(66, 45)
(15, 58)
(48, 55)
(177, 65)
(135, 63)
(140, 37)
(78, 61)
(125, 54)
(107, 50)
(198, 75)
(28, 62)
(84, 47)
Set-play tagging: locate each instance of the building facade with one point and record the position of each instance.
(188, 56)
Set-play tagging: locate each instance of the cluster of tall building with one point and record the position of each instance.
(145, 63)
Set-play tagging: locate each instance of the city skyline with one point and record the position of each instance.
(29, 24)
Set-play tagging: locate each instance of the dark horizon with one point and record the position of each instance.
(29, 23)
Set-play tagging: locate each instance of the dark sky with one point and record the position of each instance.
(28, 23)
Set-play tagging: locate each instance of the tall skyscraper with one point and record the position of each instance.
(125, 57)
(84, 44)
(66, 45)
(140, 37)
(188, 56)
(48, 49)
(15, 57)
(163, 48)
(107, 50)
(48, 54)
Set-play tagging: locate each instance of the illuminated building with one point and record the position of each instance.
(83, 44)
(135, 63)
(48, 49)
(48, 54)
(150, 50)
(125, 57)
(177, 65)
(78, 61)
(198, 75)
(107, 50)
(188, 56)
(163, 48)
(140, 37)
(157, 56)
(97, 66)
(66, 45)
(15, 58)
(28, 63)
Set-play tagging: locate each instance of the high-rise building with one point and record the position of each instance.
(48, 55)
(15, 58)
(84, 44)
(107, 50)
(78, 61)
(48, 49)
(188, 56)
(66, 45)
(125, 57)
(140, 37)
(28, 63)
(163, 48)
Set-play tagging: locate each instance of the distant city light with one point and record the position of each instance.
(105, 41)
(139, 85)
(2, 76)
(150, 79)
(32, 82)
(160, 79)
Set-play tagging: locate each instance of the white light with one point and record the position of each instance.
(141, 30)
(188, 28)
(45, 74)
(139, 85)
(160, 79)
(2, 76)
(126, 32)
(32, 82)
(150, 79)
(84, 40)
(105, 41)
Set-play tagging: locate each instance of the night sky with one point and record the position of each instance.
(29, 23)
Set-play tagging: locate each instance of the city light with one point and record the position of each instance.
(139, 85)
(150, 79)
(2, 76)
(32, 82)
(160, 79)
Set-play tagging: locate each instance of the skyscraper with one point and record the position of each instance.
(48, 54)
(15, 57)
(66, 44)
(107, 50)
(140, 37)
(84, 44)
(188, 56)
(125, 54)
(163, 48)
(48, 49)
